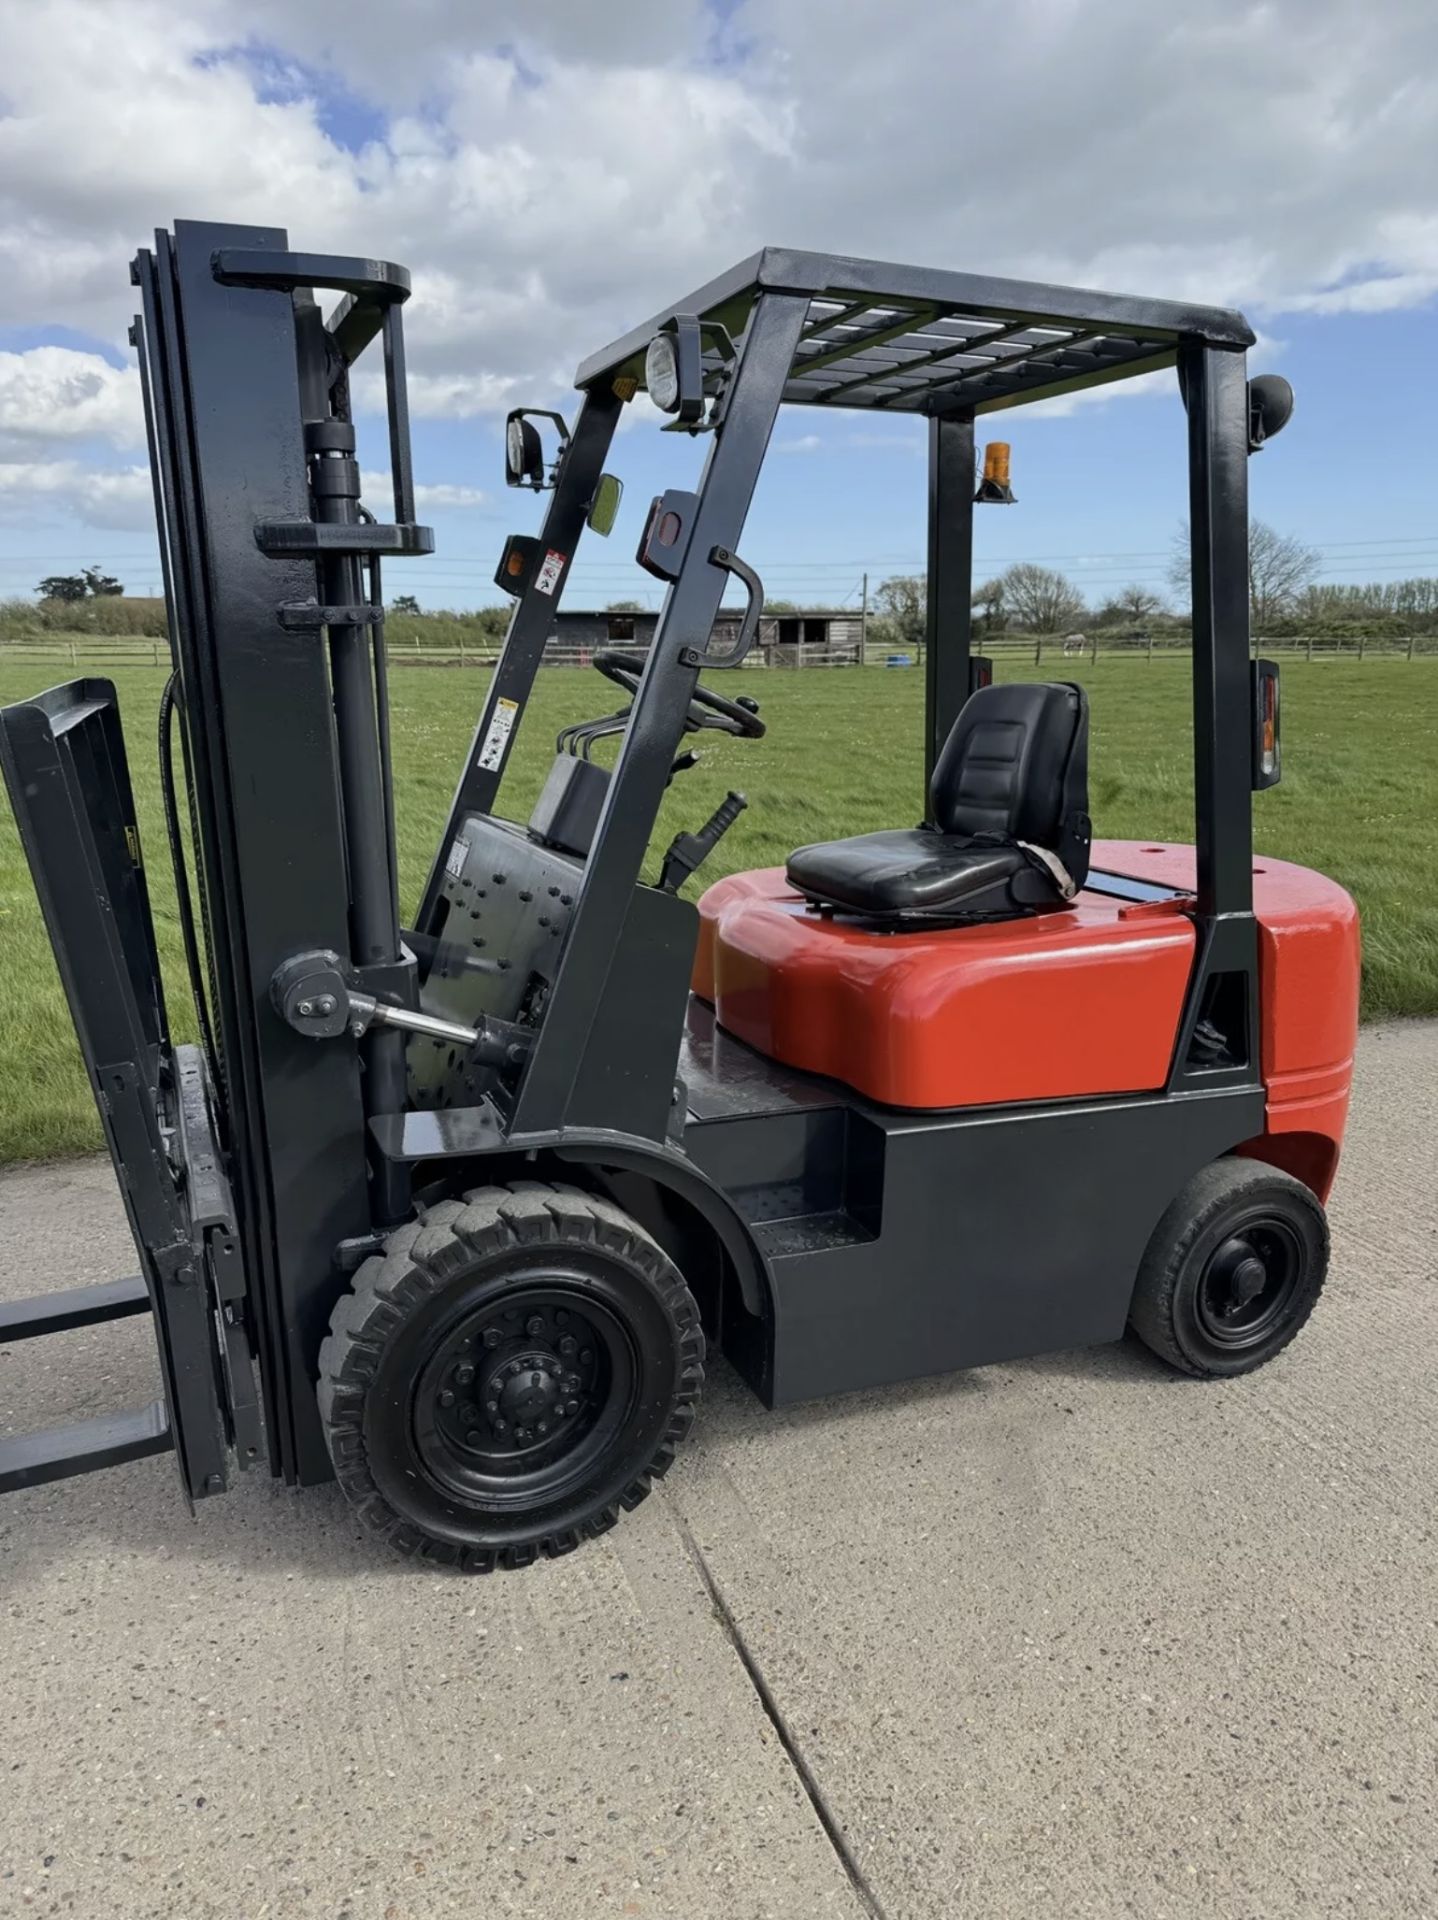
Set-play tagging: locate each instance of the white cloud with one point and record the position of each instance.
(803, 443)
(550, 179)
(114, 497)
(33, 491)
(432, 497)
(50, 393)
(445, 493)
(442, 396)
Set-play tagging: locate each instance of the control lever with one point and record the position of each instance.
(312, 992)
(689, 851)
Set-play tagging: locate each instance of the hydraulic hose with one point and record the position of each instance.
(184, 902)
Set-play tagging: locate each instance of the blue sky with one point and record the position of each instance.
(1101, 490)
(551, 178)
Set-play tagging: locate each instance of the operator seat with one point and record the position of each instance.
(1010, 832)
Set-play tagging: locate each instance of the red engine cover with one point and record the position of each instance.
(1082, 1001)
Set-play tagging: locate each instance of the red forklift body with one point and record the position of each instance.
(1071, 1004)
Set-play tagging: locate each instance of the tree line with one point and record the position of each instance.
(1286, 599)
(1284, 595)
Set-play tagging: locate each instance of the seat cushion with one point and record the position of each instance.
(901, 872)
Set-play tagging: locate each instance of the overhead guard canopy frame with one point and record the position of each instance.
(900, 339)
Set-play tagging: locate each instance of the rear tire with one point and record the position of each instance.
(1233, 1270)
(513, 1370)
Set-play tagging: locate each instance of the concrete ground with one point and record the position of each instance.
(1064, 1638)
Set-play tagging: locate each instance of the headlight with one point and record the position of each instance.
(523, 449)
(661, 373)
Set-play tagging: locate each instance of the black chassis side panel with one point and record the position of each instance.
(999, 1233)
(874, 1246)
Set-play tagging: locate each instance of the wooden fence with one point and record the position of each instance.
(100, 650)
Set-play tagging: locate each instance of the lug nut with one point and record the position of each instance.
(492, 1336)
(573, 1407)
(474, 1436)
(569, 1346)
(446, 1399)
(516, 1367)
(501, 1426)
(586, 1357)
(491, 1407)
(534, 1325)
(464, 1374)
(544, 1426)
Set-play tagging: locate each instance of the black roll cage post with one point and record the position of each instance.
(948, 614)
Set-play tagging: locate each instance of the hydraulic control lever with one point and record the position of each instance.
(312, 994)
(689, 851)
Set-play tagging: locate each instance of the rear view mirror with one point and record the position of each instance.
(604, 507)
(1270, 407)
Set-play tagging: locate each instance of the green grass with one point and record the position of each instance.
(1359, 798)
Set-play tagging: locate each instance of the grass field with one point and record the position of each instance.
(1359, 798)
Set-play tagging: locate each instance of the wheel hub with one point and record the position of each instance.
(1246, 1287)
(522, 1381)
(528, 1389)
(1247, 1281)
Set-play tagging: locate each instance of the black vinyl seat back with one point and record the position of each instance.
(1010, 832)
(1015, 763)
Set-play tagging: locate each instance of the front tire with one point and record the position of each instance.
(1233, 1270)
(513, 1370)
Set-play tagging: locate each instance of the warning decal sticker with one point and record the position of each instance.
(491, 754)
(552, 565)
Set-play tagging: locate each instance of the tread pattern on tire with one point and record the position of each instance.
(419, 1259)
(1212, 1190)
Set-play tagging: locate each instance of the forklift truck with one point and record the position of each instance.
(451, 1212)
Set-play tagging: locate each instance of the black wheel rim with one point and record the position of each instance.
(520, 1399)
(1249, 1284)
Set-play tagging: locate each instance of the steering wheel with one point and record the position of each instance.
(706, 708)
